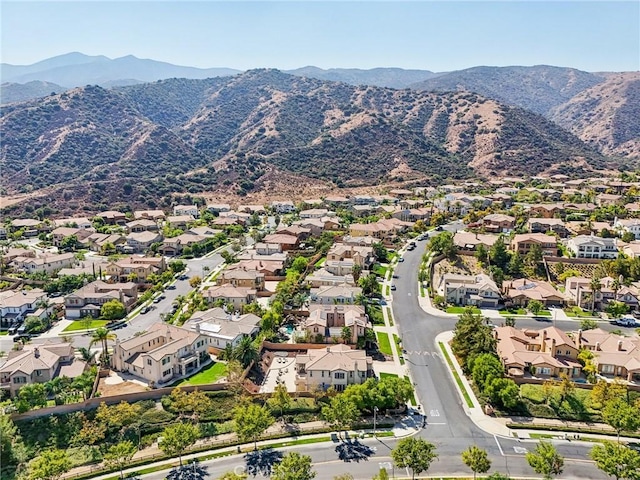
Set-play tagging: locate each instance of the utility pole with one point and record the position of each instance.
(375, 411)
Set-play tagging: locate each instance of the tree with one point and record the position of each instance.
(102, 335)
(195, 281)
(245, 352)
(345, 334)
(49, 465)
(510, 322)
(251, 421)
(414, 453)
(548, 389)
(476, 459)
(566, 387)
(197, 402)
(281, 398)
(177, 438)
(503, 392)
(534, 256)
(69, 243)
(482, 254)
(617, 309)
(119, 455)
(545, 460)
(113, 310)
(31, 396)
(12, 449)
(535, 306)
(382, 475)
(588, 324)
(299, 264)
(485, 368)
(380, 252)
(621, 416)
(596, 286)
(356, 270)
(369, 284)
(498, 253)
(472, 336)
(515, 265)
(271, 320)
(604, 391)
(443, 244)
(293, 466)
(341, 413)
(177, 266)
(616, 460)
(628, 237)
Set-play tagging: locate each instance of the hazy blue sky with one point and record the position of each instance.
(439, 36)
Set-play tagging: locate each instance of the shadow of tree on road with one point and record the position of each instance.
(191, 471)
(260, 462)
(353, 451)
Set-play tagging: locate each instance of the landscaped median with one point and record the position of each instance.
(459, 381)
(384, 344)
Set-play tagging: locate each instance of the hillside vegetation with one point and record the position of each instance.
(142, 143)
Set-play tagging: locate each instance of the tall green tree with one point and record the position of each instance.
(12, 448)
(443, 244)
(472, 336)
(31, 396)
(294, 466)
(621, 416)
(246, 351)
(49, 465)
(113, 310)
(280, 398)
(535, 306)
(616, 460)
(498, 253)
(485, 368)
(476, 459)
(119, 455)
(341, 412)
(414, 453)
(369, 284)
(545, 460)
(251, 421)
(177, 438)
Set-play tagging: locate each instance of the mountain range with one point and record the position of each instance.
(267, 131)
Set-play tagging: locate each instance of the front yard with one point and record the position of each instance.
(461, 310)
(85, 325)
(384, 344)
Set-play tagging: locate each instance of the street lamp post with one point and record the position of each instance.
(375, 411)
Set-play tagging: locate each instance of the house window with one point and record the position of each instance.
(339, 375)
(38, 373)
(608, 369)
(166, 360)
(19, 380)
(545, 371)
(166, 372)
(322, 374)
(149, 362)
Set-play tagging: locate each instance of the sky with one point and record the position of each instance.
(430, 35)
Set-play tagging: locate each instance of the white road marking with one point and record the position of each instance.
(385, 465)
(436, 423)
(499, 446)
(434, 413)
(409, 294)
(520, 450)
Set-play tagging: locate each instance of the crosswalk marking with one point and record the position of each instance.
(420, 352)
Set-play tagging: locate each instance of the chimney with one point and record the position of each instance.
(543, 346)
(36, 352)
(328, 349)
(579, 338)
(619, 345)
(553, 346)
(597, 346)
(197, 328)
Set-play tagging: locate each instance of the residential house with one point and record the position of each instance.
(328, 321)
(546, 210)
(76, 222)
(219, 207)
(286, 242)
(335, 294)
(237, 277)
(541, 353)
(283, 207)
(29, 227)
(88, 300)
(12, 253)
(479, 290)
(98, 241)
(579, 292)
(296, 231)
(628, 225)
(227, 221)
(16, 305)
(315, 213)
(590, 246)
(385, 229)
(142, 241)
(135, 269)
(204, 231)
(522, 243)
(470, 241)
(155, 215)
(334, 366)
(363, 200)
(222, 328)
(180, 221)
(587, 227)
(632, 249)
(323, 277)
(191, 210)
(39, 364)
(251, 209)
(498, 222)
(269, 268)
(336, 201)
(60, 233)
(263, 248)
(142, 225)
(111, 217)
(228, 294)
(519, 292)
(360, 255)
(605, 199)
(162, 355)
(614, 355)
(175, 245)
(48, 263)
(544, 225)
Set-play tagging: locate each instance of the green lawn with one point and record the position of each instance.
(465, 394)
(396, 339)
(543, 313)
(421, 290)
(379, 270)
(513, 311)
(389, 315)
(577, 312)
(210, 374)
(388, 291)
(320, 262)
(460, 310)
(383, 343)
(5, 332)
(384, 375)
(375, 314)
(82, 325)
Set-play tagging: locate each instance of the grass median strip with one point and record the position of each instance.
(383, 343)
(465, 394)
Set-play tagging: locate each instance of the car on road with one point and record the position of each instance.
(183, 277)
(626, 322)
(171, 287)
(22, 336)
(146, 309)
(159, 299)
(401, 259)
(393, 287)
(395, 275)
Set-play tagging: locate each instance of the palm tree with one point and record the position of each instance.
(616, 285)
(245, 352)
(102, 335)
(87, 355)
(595, 287)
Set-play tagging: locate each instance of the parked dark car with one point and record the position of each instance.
(146, 309)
